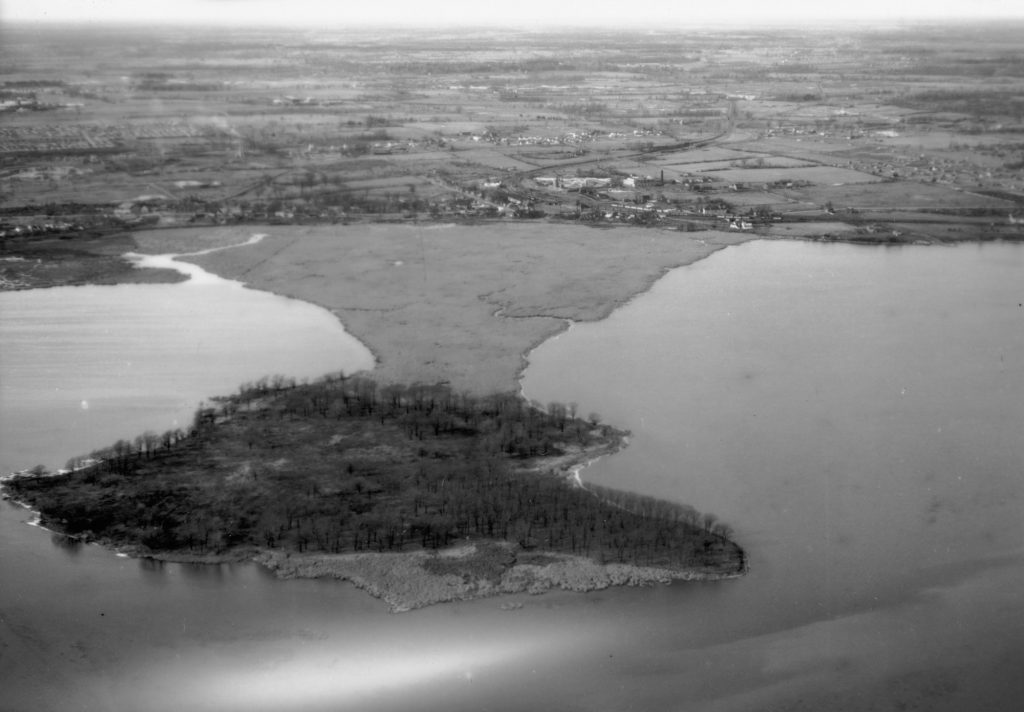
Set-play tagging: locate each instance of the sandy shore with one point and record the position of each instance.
(410, 580)
(404, 583)
(435, 303)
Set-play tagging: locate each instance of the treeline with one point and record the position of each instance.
(579, 108)
(31, 83)
(529, 64)
(123, 456)
(1007, 66)
(498, 424)
(974, 102)
(347, 465)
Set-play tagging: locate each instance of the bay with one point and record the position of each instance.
(853, 412)
(81, 367)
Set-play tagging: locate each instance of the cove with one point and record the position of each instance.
(84, 366)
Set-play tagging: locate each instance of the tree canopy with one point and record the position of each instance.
(347, 465)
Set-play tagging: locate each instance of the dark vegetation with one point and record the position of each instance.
(972, 102)
(345, 465)
(72, 257)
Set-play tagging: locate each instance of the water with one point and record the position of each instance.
(81, 367)
(854, 413)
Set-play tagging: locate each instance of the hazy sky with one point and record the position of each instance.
(656, 13)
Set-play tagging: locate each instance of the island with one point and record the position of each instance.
(415, 493)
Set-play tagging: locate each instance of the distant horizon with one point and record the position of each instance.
(525, 14)
(864, 25)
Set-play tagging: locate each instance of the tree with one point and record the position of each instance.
(264, 184)
(557, 412)
(306, 181)
(722, 530)
(150, 441)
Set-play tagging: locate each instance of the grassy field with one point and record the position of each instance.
(818, 175)
(701, 156)
(897, 195)
(461, 304)
(767, 162)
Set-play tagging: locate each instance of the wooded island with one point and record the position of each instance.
(312, 479)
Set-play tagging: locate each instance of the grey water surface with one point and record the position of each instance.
(854, 413)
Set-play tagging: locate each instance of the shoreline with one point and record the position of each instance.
(370, 571)
(404, 582)
(466, 570)
(401, 581)
(536, 312)
(463, 347)
(480, 321)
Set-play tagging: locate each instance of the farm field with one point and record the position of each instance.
(817, 175)
(679, 134)
(750, 161)
(893, 195)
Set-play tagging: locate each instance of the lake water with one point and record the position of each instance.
(82, 367)
(857, 414)
(854, 413)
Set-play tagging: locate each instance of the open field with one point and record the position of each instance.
(711, 156)
(920, 196)
(818, 175)
(749, 161)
